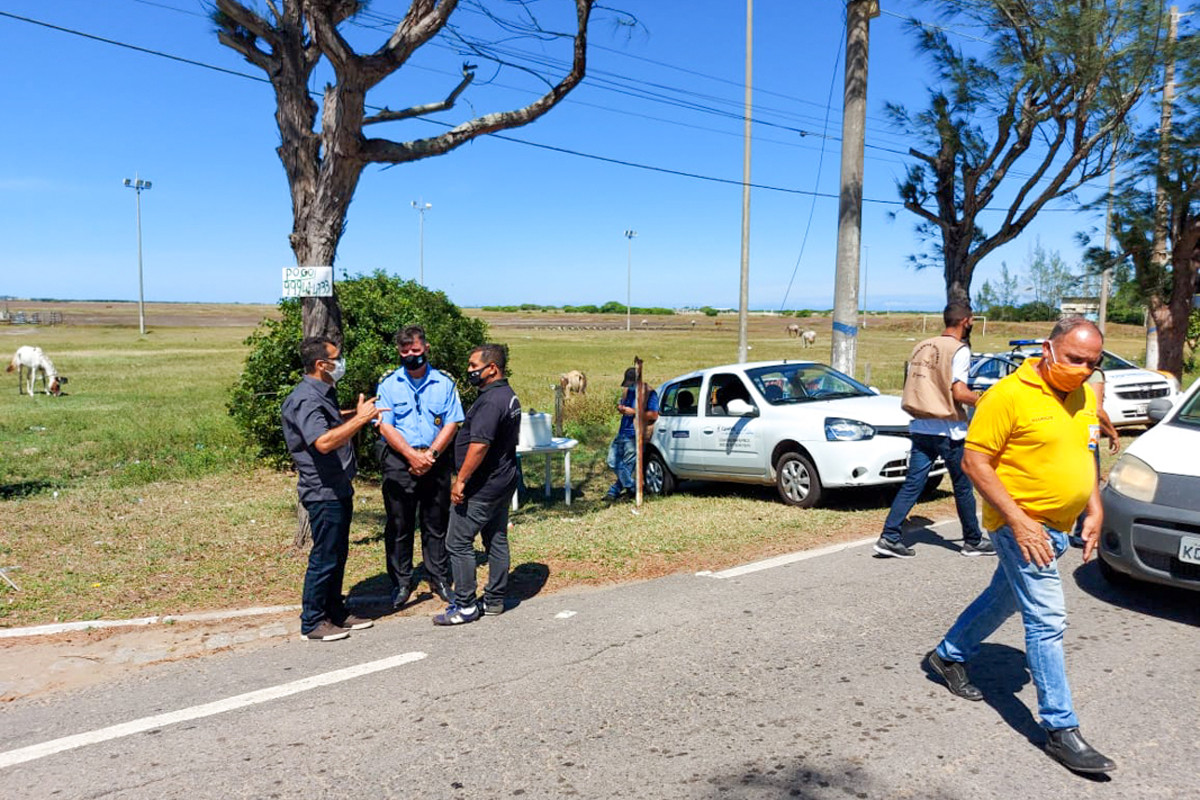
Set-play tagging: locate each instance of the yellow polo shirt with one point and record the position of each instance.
(1038, 446)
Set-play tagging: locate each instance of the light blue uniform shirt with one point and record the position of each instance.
(418, 410)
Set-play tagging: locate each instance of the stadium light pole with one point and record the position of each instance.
(138, 185)
(421, 206)
(629, 280)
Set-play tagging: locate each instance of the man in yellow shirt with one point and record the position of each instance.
(1027, 454)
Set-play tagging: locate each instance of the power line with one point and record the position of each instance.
(504, 137)
(837, 59)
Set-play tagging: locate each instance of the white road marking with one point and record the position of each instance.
(803, 555)
(21, 755)
(565, 614)
(789, 558)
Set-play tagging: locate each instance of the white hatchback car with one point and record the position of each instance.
(1151, 528)
(799, 425)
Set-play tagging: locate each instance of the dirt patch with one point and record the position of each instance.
(67, 661)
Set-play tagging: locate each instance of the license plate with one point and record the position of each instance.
(1141, 409)
(1189, 549)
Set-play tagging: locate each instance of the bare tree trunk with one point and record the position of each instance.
(1171, 316)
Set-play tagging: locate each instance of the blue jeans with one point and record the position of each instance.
(925, 450)
(622, 459)
(1037, 593)
(322, 598)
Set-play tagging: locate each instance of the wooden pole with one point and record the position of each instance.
(639, 414)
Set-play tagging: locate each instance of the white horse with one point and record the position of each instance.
(33, 359)
(809, 338)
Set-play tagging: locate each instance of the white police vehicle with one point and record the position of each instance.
(800, 425)
(1128, 389)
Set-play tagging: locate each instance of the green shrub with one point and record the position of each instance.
(591, 418)
(373, 308)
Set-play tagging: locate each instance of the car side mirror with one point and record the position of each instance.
(740, 408)
(875, 389)
(1159, 408)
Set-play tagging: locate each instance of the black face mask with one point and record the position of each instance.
(475, 376)
(413, 363)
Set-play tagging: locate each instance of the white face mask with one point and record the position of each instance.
(339, 369)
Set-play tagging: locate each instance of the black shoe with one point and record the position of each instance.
(1067, 747)
(893, 549)
(955, 676)
(492, 609)
(981, 548)
(400, 596)
(442, 590)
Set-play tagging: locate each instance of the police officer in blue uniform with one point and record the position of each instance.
(421, 412)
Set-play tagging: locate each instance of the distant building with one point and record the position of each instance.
(1086, 307)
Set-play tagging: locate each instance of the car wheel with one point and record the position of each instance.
(658, 479)
(797, 481)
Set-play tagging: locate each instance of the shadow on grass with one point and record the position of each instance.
(1164, 602)
(20, 489)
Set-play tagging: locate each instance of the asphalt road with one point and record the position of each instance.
(799, 680)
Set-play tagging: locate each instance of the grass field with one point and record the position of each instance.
(133, 494)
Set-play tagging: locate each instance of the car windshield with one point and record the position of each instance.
(1111, 361)
(1189, 412)
(784, 384)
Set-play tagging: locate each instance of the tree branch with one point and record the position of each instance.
(387, 115)
(388, 152)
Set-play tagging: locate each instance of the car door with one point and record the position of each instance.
(677, 432)
(731, 445)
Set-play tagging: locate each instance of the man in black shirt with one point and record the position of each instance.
(320, 439)
(485, 453)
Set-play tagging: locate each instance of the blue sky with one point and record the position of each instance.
(510, 223)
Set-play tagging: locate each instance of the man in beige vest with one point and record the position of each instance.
(935, 394)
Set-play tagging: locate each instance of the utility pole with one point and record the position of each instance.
(844, 341)
(138, 185)
(1161, 257)
(629, 281)
(744, 292)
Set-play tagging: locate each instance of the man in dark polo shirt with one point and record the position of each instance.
(485, 453)
(320, 439)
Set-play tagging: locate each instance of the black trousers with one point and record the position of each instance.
(404, 497)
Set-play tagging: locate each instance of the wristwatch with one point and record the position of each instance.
(435, 452)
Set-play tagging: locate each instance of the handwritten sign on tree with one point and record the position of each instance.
(308, 281)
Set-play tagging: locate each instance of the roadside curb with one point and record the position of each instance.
(369, 600)
(199, 616)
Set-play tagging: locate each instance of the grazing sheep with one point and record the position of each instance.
(809, 338)
(573, 382)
